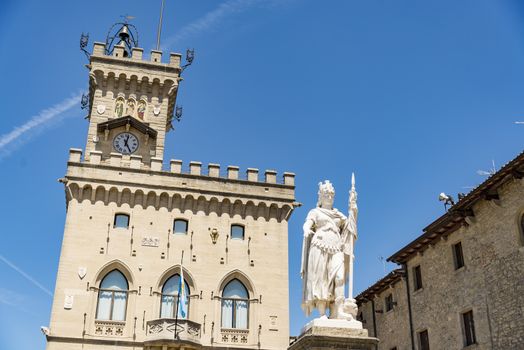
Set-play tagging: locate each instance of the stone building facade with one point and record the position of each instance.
(461, 284)
(133, 229)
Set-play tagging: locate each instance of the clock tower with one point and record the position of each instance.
(131, 102)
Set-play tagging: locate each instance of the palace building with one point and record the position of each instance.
(159, 255)
(461, 283)
(156, 258)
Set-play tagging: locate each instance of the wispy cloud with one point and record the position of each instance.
(214, 17)
(26, 276)
(37, 122)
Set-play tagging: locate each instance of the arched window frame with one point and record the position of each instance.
(112, 293)
(176, 296)
(234, 302)
(237, 226)
(180, 220)
(121, 215)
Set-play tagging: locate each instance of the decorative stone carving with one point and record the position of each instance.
(100, 108)
(109, 328)
(82, 271)
(150, 241)
(214, 235)
(329, 238)
(68, 302)
(156, 110)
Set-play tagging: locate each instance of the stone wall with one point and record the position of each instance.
(491, 284)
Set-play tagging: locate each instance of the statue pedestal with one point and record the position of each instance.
(321, 334)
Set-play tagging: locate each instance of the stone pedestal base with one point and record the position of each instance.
(323, 334)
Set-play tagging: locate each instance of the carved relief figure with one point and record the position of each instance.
(141, 110)
(130, 110)
(119, 107)
(327, 256)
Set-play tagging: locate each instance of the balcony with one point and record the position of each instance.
(165, 331)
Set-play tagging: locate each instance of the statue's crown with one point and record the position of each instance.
(325, 187)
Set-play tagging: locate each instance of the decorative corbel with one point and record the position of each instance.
(147, 138)
(106, 134)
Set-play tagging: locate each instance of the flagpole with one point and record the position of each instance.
(160, 26)
(179, 290)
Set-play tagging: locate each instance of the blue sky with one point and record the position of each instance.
(413, 96)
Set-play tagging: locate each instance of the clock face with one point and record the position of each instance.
(125, 143)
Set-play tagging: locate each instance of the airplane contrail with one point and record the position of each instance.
(214, 17)
(26, 276)
(37, 121)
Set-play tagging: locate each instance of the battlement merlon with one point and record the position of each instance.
(136, 58)
(133, 174)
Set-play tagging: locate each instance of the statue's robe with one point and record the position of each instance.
(325, 256)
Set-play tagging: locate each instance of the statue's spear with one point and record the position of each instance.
(352, 217)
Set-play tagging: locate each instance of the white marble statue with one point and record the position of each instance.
(327, 257)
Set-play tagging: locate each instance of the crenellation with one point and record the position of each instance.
(156, 56)
(95, 157)
(175, 166)
(136, 162)
(175, 59)
(195, 168)
(156, 164)
(271, 176)
(115, 159)
(137, 53)
(252, 174)
(289, 179)
(99, 49)
(118, 51)
(213, 170)
(232, 172)
(75, 155)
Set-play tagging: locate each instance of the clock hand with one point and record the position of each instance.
(129, 149)
(125, 141)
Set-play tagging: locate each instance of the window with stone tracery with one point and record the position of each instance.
(112, 297)
(235, 305)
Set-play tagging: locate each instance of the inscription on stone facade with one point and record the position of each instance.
(150, 241)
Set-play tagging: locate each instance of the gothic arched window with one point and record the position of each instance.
(112, 297)
(235, 305)
(170, 295)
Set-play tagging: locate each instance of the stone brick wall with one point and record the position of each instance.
(491, 284)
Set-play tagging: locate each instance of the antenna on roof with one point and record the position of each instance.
(160, 26)
(492, 171)
(383, 261)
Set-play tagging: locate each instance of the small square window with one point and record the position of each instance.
(180, 227)
(237, 232)
(389, 302)
(121, 221)
(423, 340)
(458, 256)
(469, 328)
(417, 278)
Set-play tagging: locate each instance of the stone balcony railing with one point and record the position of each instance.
(168, 330)
(109, 328)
